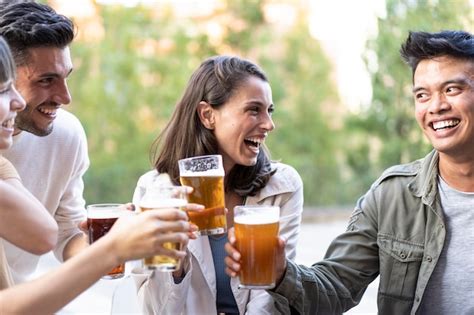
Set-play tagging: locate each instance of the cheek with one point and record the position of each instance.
(420, 113)
(4, 109)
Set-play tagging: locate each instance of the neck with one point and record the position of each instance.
(232, 200)
(458, 173)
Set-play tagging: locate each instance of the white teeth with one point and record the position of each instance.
(445, 123)
(47, 111)
(257, 141)
(9, 123)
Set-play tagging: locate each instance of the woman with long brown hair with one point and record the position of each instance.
(226, 109)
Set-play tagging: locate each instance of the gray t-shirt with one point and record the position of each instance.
(450, 289)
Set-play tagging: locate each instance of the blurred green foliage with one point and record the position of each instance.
(389, 122)
(125, 86)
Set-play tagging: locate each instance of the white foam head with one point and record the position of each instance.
(106, 211)
(207, 165)
(157, 203)
(256, 214)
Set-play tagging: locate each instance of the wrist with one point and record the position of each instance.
(110, 251)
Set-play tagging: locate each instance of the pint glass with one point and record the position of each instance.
(100, 218)
(256, 233)
(206, 175)
(159, 198)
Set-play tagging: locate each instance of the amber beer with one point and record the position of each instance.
(256, 233)
(100, 219)
(206, 175)
(159, 198)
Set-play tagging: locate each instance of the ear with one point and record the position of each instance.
(206, 115)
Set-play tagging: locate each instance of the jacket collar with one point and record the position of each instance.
(424, 184)
(279, 184)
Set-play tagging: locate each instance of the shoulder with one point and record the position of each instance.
(286, 173)
(147, 178)
(7, 170)
(67, 126)
(285, 180)
(405, 173)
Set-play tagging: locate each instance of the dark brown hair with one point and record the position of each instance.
(423, 45)
(26, 25)
(214, 82)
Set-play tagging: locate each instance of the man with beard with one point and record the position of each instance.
(49, 146)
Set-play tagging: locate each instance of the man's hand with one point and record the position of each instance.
(232, 261)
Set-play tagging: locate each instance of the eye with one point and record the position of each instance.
(254, 110)
(271, 110)
(46, 81)
(421, 96)
(453, 90)
(4, 90)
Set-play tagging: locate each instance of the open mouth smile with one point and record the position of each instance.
(254, 142)
(8, 124)
(445, 124)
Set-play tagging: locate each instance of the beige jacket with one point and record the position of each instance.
(196, 294)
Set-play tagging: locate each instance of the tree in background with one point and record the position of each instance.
(125, 88)
(386, 133)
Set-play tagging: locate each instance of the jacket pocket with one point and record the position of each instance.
(400, 263)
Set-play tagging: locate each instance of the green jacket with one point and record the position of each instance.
(396, 230)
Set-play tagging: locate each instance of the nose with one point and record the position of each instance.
(62, 95)
(268, 123)
(439, 104)
(17, 102)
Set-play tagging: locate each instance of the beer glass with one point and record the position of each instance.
(206, 175)
(256, 234)
(159, 198)
(100, 219)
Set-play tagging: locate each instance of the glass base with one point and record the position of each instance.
(257, 286)
(162, 267)
(112, 277)
(215, 231)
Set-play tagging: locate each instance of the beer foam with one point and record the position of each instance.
(162, 203)
(107, 214)
(208, 173)
(257, 218)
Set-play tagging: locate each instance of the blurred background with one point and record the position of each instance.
(344, 110)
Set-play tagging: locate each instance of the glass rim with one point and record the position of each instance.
(105, 205)
(219, 156)
(272, 207)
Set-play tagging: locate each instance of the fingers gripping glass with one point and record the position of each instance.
(206, 175)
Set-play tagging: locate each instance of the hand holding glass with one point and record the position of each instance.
(159, 198)
(256, 234)
(205, 174)
(100, 219)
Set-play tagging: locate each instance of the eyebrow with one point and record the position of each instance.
(258, 103)
(54, 74)
(455, 81)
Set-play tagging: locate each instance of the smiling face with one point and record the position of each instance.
(42, 81)
(10, 103)
(444, 99)
(242, 123)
